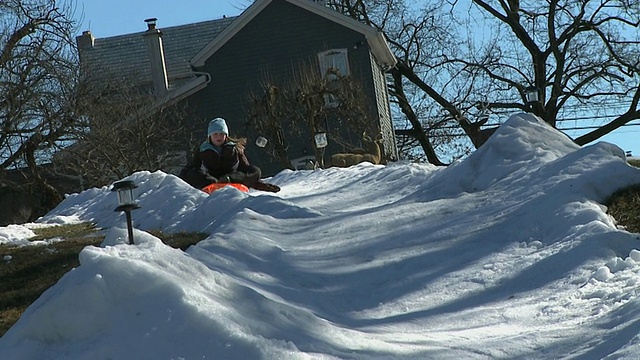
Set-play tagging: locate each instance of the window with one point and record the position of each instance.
(335, 60)
(333, 63)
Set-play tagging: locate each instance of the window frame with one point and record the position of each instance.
(333, 61)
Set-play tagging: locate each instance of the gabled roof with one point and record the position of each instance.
(190, 45)
(375, 38)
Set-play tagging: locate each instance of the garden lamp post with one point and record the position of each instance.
(532, 96)
(126, 202)
(320, 139)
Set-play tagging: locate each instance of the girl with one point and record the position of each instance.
(220, 159)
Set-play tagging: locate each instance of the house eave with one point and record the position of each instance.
(381, 51)
(244, 18)
(375, 39)
(184, 91)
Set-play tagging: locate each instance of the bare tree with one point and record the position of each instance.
(416, 37)
(302, 107)
(107, 128)
(123, 130)
(37, 77)
(473, 59)
(267, 117)
(581, 55)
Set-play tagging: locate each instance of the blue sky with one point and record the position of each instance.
(628, 138)
(116, 17)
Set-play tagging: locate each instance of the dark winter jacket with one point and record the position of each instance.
(227, 163)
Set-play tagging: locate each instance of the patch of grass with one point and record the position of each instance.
(34, 269)
(624, 206)
(69, 231)
(179, 240)
(635, 163)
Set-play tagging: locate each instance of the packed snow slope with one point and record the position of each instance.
(508, 254)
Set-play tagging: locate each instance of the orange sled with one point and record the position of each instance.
(215, 186)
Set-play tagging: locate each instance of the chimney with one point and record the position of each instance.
(86, 40)
(156, 54)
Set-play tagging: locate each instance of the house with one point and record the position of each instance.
(214, 65)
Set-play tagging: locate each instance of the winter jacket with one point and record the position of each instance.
(227, 163)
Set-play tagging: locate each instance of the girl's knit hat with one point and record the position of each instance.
(218, 125)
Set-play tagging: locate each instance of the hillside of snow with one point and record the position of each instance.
(508, 254)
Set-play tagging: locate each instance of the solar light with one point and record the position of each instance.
(126, 201)
(532, 94)
(321, 140)
(261, 141)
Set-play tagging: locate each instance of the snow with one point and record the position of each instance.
(506, 254)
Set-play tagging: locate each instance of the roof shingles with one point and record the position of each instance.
(127, 56)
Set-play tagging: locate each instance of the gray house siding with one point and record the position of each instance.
(278, 42)
(384, 112)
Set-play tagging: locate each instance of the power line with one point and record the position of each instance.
(590, 127)
(558, 128)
